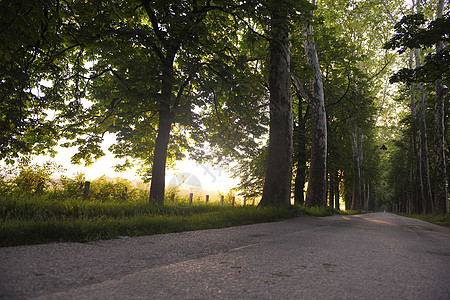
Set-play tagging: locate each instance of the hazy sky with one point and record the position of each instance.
(210, 177)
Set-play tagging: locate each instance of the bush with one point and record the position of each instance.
(27, 179)
(106, 189)
(73, 187)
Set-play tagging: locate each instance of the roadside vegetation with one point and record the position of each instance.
(42, 220)
(35, 208)
(436, 219)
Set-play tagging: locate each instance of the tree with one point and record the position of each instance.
(300, 149)
(277, 184)
(317, 184)
(30, 43)
(147, 90)
(440, 195)
(411, 33)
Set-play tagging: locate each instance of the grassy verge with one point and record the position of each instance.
(441, 219)
(37, 220)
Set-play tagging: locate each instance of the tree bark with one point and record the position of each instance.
(299, 197)
(300, 150)
(428, 198)
(440, 192)
(159, 159)
(367, 197)
(331, 191)
(336, 193)
(419, 196)
(277, 184)
(317, 184)
(357, 196)
(158, 182)
(348, 201)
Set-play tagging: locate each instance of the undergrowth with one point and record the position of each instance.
(437, 219)
(34, 220)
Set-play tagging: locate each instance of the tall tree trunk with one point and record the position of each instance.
(348, 201)
(419, 196)
(357, 196)
(277, 184)
(299, 185)
(300, 150)
(158, 182)
(440, 192)
(410, 193)
(159, 159)
(428, 198)
(367, 197)
(317, 184)
(336, 192)
(332, 190)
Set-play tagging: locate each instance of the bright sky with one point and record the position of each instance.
(202, 175)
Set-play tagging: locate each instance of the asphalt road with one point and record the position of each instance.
(373, 256)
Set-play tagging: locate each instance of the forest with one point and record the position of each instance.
(317, 102)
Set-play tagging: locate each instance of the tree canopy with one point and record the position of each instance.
(204, 79)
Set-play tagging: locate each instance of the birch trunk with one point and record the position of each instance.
(317, 184)
(277, 184)
(440, 193)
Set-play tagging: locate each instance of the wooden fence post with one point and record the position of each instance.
(207, 198)
(232, 202)
(245, 201)
(221, 200)
(87, 184)
(40, 187)
(191, 195)
(125, 194)
(253, 202)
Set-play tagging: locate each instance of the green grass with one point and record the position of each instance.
(39, 220)
(439, 219)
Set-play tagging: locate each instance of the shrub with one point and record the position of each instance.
(26, 179)
(73, 187)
